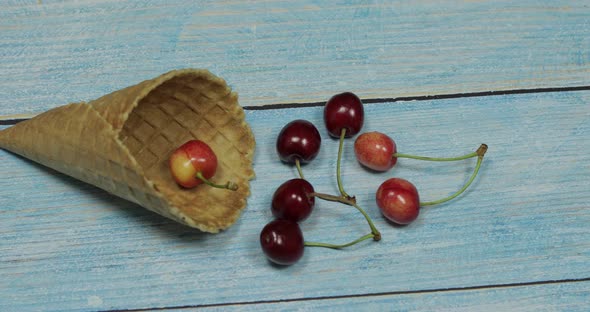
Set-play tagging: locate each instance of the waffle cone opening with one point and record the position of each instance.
(184, 108)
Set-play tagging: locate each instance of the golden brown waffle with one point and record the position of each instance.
(121, 143)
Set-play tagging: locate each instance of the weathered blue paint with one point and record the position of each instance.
(65, 245)
(52, 53)
(555, 297)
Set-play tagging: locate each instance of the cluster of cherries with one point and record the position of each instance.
(195, 163)
(299, 143)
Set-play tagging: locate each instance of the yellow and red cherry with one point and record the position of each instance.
(298, 140)
(378, 151)
(375, 150)
(282, 242)
(194, 163)
(344, 111)
(293, 200)
(398, 201)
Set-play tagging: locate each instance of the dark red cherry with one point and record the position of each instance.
(293, 200)
(282, 242)
(398, 200)
(344, 111)
(299, 139)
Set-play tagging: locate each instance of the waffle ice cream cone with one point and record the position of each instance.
(121, 143)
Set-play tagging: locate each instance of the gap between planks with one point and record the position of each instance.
(8, 120)
(392, 293)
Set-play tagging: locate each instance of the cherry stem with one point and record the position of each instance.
(335, 246)
(298, 165)
(338, 179)
(229, 185)
(376, 234)
(470, 155)
(479, 153)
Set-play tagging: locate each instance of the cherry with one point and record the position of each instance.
(375, 150)
(293, 200)
(344, 111)
(282, 242)
(398, 200)
(194, 163)
(378, 151)
(298, 140)
(344, 117)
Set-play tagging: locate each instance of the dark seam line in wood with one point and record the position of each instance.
(403, 292)
(427, 97)
(10, 122)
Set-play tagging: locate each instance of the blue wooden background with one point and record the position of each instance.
(518, 76)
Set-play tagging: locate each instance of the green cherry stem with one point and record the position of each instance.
(229, 185)
(374, 231)
(336, 246)
(376, 234)
(479, 153)
(470, 155)
(338, 178)
(298, 165)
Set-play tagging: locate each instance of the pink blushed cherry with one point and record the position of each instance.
(398, 200)
(194, 163)
(400, 203)
(375, 150)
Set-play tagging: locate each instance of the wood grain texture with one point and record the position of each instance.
(53, 53)
(561, 297)
(69, 246)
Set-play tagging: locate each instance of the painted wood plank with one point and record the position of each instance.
(53, 53)
(555, 297)
(68, 246)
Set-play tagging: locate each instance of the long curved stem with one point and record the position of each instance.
(338, 178)
(470, 155)
(229, 185)
(298, 165)
(480, 153)
(344, 200)
(339, 246)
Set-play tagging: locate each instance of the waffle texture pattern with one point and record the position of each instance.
(122, 141)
